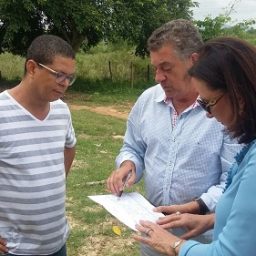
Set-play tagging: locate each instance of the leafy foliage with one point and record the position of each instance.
(140, 18)
(76, 21)
(181, 8)
(212, 27)
(218, 26)
(222, 25)
(20, 22)
(87, 22)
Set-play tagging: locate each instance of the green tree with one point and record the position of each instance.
(242, 29)
(138, 20)
(140, 17)
(222, 26)
(74, 20)
(182, 8)
(86, 22)
(212, 27)
(20, 22)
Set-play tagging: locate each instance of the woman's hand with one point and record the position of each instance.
(194, 224)
(156, 237)
(190, 207)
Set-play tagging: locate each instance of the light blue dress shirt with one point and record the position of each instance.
(235, 225)
(178, 164)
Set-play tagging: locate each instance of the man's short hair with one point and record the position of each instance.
(45, 48)
(180, 34)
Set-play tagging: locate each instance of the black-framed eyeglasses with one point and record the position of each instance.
(206, 105)
(60, 77)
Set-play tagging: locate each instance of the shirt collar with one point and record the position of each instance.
(161, 97)
(168, 101)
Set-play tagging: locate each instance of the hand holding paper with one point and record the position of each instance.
(129, 209)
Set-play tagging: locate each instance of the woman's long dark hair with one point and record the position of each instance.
(229, 64)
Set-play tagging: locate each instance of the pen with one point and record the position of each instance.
(125, 183)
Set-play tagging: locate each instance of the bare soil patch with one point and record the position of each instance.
(104, 110)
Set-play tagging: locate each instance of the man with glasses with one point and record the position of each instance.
(37, 144)
(60, 76)
(182, 155)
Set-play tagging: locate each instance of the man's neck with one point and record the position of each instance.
(181, 104)
(23, 96)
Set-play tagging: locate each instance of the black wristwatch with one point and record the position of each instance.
(203, 209)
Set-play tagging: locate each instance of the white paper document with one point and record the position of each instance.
(130, 208)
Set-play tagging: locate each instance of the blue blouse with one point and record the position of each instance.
(235, 226)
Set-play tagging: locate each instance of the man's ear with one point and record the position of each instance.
(30, 67)
(194, 57)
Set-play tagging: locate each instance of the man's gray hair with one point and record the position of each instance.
(180, 34)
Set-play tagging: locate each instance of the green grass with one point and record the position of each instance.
(113, 98)
(11, 66)
(91, 225)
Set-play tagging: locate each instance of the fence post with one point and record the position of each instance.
(110, 71)
(132, 75)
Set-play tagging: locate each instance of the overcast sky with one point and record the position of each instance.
(243, 9)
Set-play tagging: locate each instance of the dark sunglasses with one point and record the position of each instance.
(206, 105)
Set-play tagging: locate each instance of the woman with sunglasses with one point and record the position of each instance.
(225, 77)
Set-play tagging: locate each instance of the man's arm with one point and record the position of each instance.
(3, 248)
(69, 155)
(133, 149)
(230, 148)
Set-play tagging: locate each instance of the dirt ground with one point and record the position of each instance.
(100, 244)
(106, 110)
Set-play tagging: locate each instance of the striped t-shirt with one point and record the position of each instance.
(32, 177)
